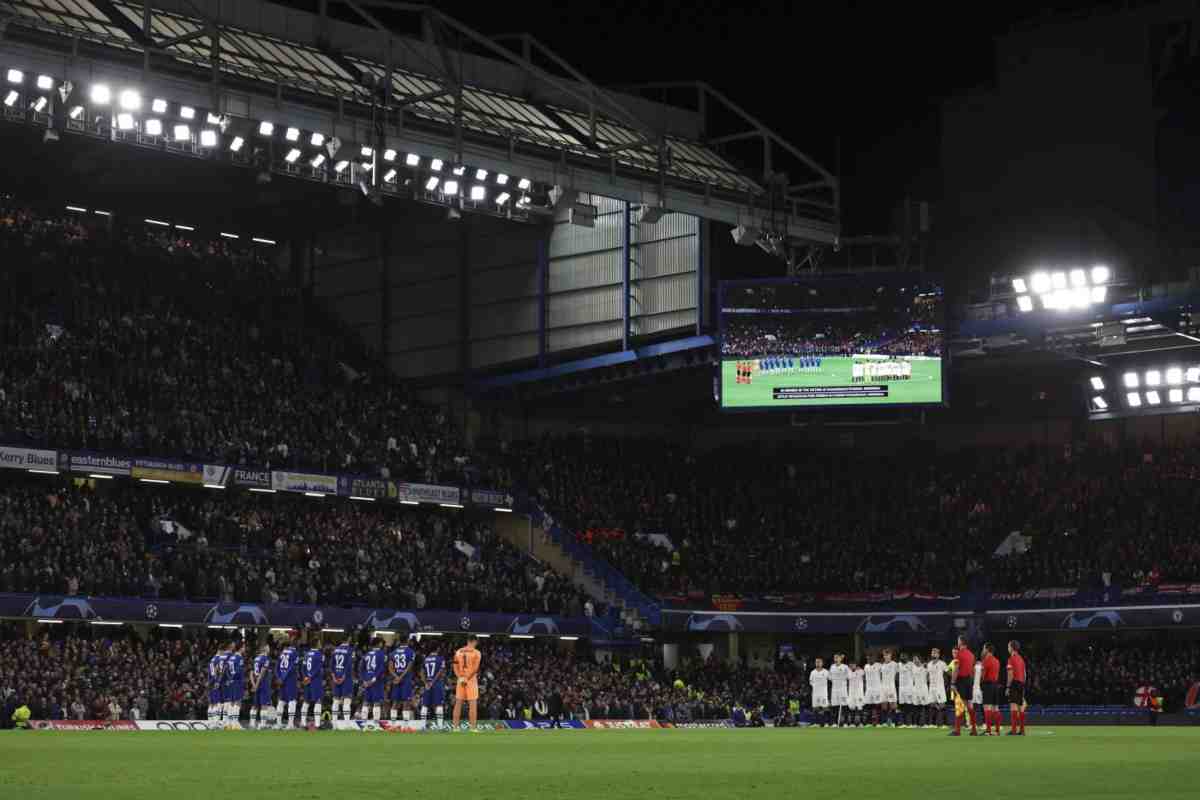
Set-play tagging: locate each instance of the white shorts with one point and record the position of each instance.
(873, 697)
(907, 698)
(856, 702)
(938, 698)
(977, 696)
(887, 695)
(840, 699)
(921, 698)
(820, 701)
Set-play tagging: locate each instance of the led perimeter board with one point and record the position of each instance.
(861, 339)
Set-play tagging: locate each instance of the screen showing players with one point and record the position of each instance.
(863, 339)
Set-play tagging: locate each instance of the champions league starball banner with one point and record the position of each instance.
(88, 609)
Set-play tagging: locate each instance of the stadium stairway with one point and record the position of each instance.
(536, 533)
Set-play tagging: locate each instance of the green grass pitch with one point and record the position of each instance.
(925, 386)
(1062, 763)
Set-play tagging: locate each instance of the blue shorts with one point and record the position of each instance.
(235, 693)
(287, 691)
(402, 692)
(434, 696)
(214, 696)
(344, 689)
(373, 694)
(314, 692)
(263, 696)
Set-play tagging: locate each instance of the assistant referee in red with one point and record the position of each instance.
(964, 684)
(1016, 688)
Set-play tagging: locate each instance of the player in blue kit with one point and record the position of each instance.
(313, 673)
(371, 673)
(286, 669)
(401, 666)
(216, 670)
(434, 673)
(342, 669)
(260, 689)
(235, 682)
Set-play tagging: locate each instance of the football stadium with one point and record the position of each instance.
(389, 404)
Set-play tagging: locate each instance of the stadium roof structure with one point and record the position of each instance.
(508, 104)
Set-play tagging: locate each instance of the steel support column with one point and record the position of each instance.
(543, 279)
(626, 263)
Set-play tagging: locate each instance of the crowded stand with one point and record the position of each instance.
(749, 519)
(143, 341)
(774, 336)
(140, 541)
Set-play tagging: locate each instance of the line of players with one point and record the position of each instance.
(911, 693)
(397, 679)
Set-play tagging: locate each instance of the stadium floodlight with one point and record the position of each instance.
(1175, 395)
(1040, 282)
(502, 179)
(101, 94)
(502, 198)
(1193, 374)
(11, 98)
(1099, 293)
(317, 139)
(1019, 286)
(1152, 397)
(431, 184)
(1059, 279)
(459, 170)
(436, 165)
(450, 188)
(481, 174)
(524, 201)
(236, 144)
(125, 121)
(153, 127)
(1174, 376)
(158, 106)
(212, 119)
(1100, 274)
(1134, 399)
(76, 112)
(130, 100)
(1131, 380)
(340, 166)
(292, 134)
(292, 155)
(182, 133)
(412, 160)
(39, 105)
(318, 160)
(478, 192)
(1078, 277)
(389, 155)
(1099, 403)
(16, 76)
(187, 112)
(45, 83)
(1153, 377)
(524, 184)
(1080, 297)
(1193, 394)
(208, 138)
(366, 152)
(266, 128)
(1097, 383)
(389, 176)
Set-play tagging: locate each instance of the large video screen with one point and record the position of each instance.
(866, 339)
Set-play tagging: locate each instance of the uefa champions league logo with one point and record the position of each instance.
(465, 623)
(1011, 621)
(318, 617)
(801, 623)
(1177, 616)
(151, 611)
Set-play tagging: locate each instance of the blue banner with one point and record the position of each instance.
(372, 488)
(99, 463)
(543, 724)
(153, 469)
(488, 497)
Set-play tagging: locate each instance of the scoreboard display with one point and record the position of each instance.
(862, 339)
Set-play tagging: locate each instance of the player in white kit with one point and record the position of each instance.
(887, 689)
(874, 683)
(977, 687)
(839, 678)
(904, 673)
(818, 679)
(937, 688)
(857, 694)
(920, 693)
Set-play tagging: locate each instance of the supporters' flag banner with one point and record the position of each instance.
(488, 497)
(25, 458)
(176, 612)
(303, 482)
(374, 488)
(217, 474)
(427, 493)
(83, 725)
(250, 478)
(1141, 698)
(100, 464)
(173, 471)
(1193, 696)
